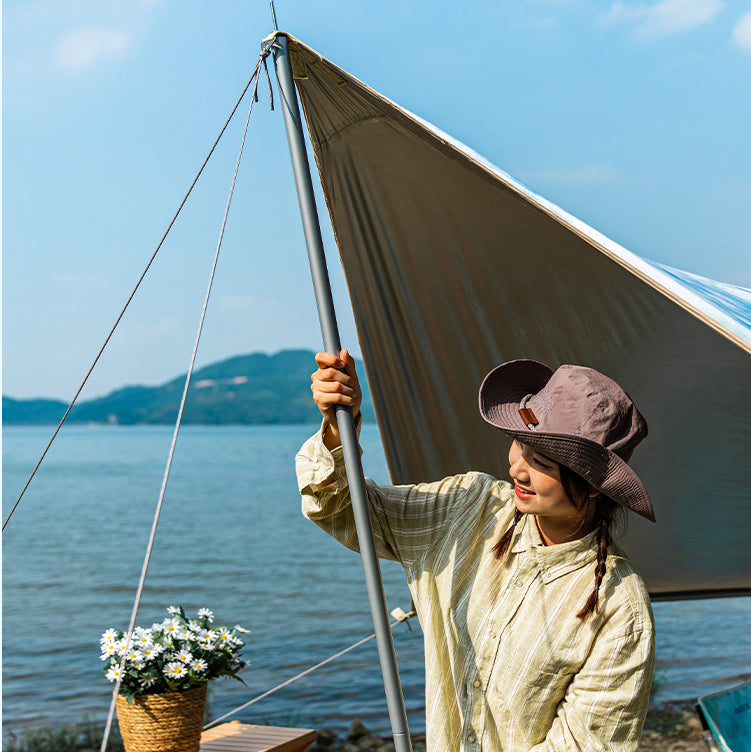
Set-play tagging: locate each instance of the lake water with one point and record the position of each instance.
(231, 538)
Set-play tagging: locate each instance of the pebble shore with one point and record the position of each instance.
(671, 727)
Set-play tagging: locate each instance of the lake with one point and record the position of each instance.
(231, 538)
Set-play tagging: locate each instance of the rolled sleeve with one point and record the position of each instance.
(314, 464)
(322, 476)
(405, 519)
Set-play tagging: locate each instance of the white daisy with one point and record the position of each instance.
(109, 636)
(198, 665)
(206, 613)
(122, 647)
(108, 650)
(225, 636)
(176, 670)
(151, 651)
(143, 637)
(171, 626)
(183, 656)
(232, 640)
(173, 610)
(241, 629)
(114, 673)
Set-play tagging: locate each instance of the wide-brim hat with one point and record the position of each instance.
(576, 416)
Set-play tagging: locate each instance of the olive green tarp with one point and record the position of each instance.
(454, 267)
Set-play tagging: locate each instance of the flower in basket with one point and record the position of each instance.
(172, 656)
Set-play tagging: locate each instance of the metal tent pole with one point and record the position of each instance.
(345, 421)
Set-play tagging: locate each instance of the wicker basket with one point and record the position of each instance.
(171, 722)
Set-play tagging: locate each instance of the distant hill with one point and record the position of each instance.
(246, 389)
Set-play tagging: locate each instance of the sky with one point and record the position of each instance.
(633, 116)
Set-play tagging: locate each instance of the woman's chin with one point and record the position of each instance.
(522, 505)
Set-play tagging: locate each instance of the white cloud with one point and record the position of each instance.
(86, 47)
(664, 17)
(742, 32)
(41, 37)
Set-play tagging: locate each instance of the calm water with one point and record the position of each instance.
(231, 538)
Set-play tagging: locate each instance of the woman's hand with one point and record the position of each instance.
(335, 383)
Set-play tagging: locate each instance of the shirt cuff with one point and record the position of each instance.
(316, 464)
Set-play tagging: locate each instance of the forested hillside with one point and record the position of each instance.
(246, 389)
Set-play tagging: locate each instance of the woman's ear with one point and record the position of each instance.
(592, 492)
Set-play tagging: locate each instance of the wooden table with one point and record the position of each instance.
(247, 737)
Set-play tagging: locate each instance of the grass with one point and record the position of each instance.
(84, 736)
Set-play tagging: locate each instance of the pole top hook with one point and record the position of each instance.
(273, 15)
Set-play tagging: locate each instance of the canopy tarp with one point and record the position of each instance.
(454, 267)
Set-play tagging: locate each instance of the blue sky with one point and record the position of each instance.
(633, 116)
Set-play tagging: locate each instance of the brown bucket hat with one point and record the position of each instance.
(576, 416)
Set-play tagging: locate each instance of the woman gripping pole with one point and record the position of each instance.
(538, 630)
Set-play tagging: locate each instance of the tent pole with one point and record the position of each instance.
(330, 331)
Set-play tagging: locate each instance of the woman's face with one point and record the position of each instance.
(537, 484)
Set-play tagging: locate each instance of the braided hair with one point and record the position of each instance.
(500, 548)
(607, 514)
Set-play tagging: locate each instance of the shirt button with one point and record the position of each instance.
(492, 634)
(471, 739)
(519, 583)
(476, 683)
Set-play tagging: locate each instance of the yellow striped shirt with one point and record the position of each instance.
(508, 666)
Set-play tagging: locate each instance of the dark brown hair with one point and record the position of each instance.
(607, 514)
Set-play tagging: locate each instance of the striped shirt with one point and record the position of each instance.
(508, 665)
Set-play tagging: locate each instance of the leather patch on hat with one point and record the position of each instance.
(528, 416)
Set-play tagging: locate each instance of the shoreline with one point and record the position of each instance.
(669, 727)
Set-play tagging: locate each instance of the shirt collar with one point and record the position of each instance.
(557, 560)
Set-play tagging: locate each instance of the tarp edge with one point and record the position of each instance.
(642, 268)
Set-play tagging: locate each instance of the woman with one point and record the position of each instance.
(538, 631)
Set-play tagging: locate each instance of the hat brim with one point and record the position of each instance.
(500, 395)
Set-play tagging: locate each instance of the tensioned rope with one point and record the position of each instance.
(397, 613)
(261, 61)
(178, 422)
